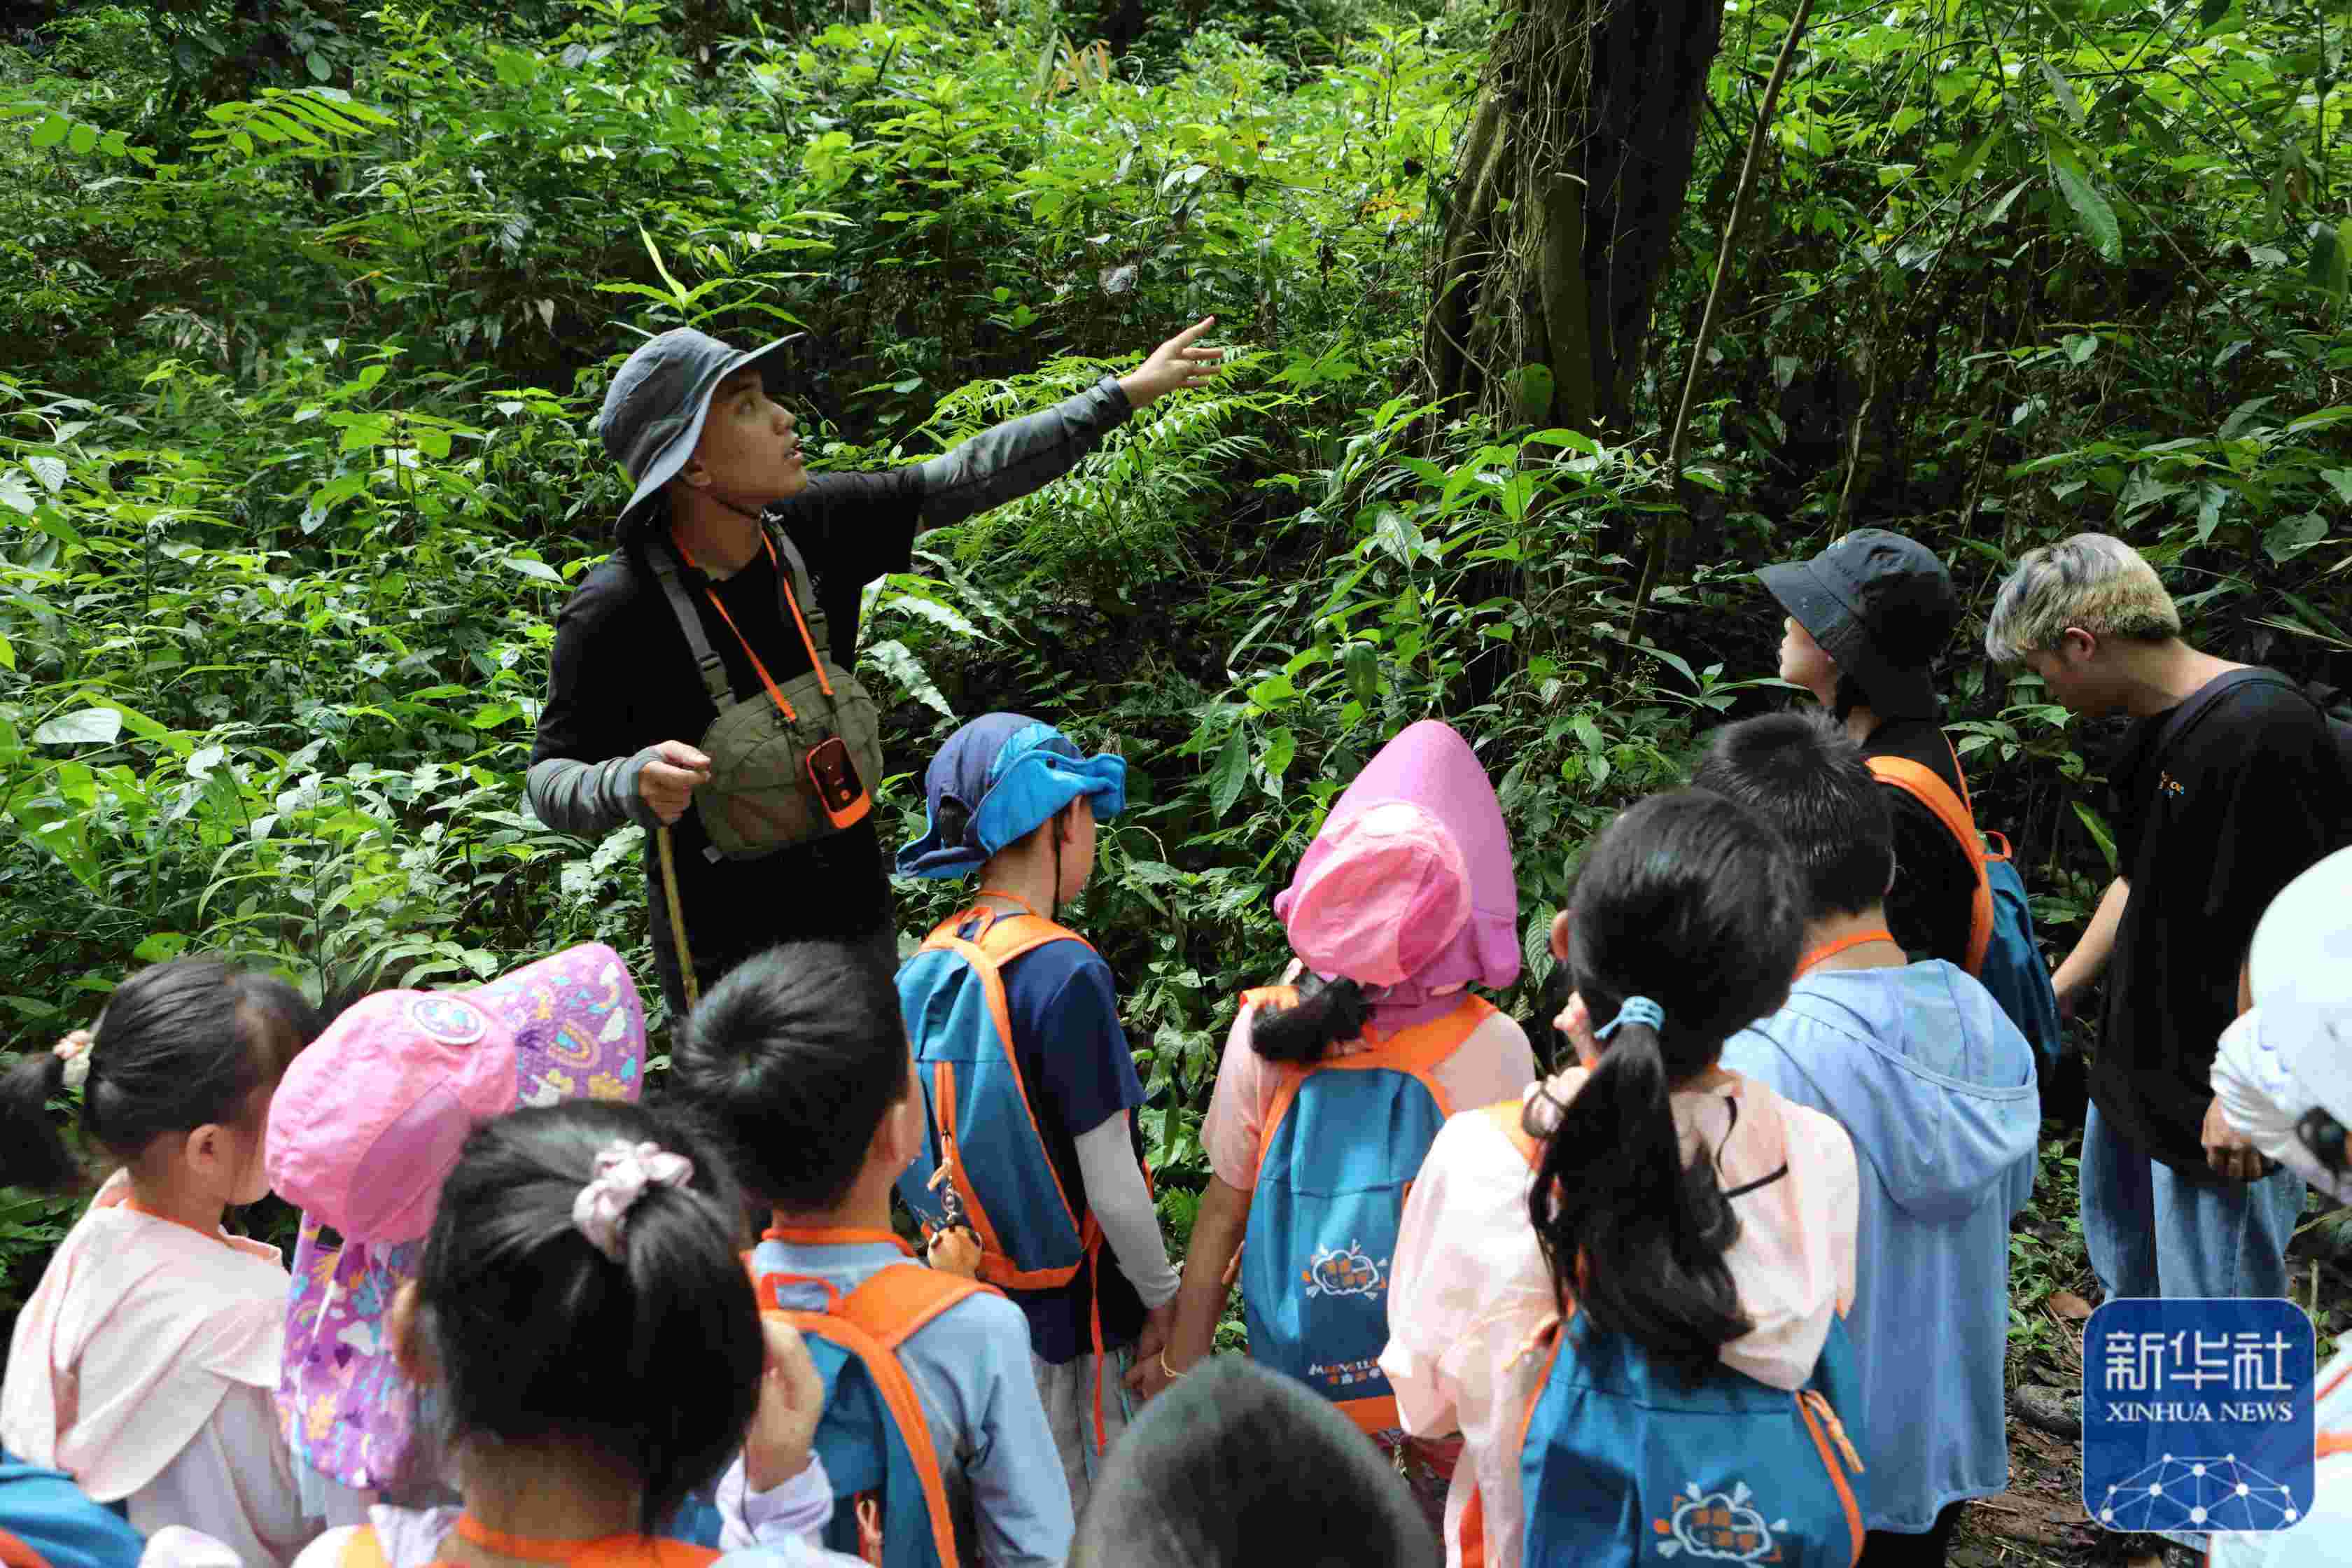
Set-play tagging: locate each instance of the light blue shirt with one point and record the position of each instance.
(972, 1369)
(1936, 1089)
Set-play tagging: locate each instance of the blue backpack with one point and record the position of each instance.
(2002, 952)
(890, 1501)
(48, 1521)
(986, 1162)
(1343, 1143)
(1621, 1463)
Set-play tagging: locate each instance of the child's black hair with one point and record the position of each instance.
(179, 1046)
(792, 1061)
(534, 1333)
(1692, 900)
(1328, 1012)
(1806, 776)
(1237, 1465)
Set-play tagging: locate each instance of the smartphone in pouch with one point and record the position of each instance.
(834, 777)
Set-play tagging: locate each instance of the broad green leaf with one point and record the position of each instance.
(2096, 217)
(540, 570)
(8, 654)
(161, 947)
(82, 141)
(1229, 774)
(1364, 662)
(1575, 441)
(82, 727)
(52, 131)
(2065, 92)
(2292, 536)
(2209, 14)
(1281, 747)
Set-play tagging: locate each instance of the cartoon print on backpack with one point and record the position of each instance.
(1345, 1271)
(1709, 1524)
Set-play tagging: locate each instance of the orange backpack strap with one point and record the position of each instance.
(1472, 1541)
(1416, 1052)
(895, 1301)
(363, 1550)
(1923, 785)
(871, 1323)
(1000, 939)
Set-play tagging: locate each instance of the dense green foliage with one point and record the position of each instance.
(305, 312)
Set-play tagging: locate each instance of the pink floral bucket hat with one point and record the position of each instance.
(365, 1127)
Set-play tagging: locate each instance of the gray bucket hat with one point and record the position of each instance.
(654, 408)
(1881, 605)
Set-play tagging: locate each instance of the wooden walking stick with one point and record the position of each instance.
(677, 919)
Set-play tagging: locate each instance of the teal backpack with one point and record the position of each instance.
(890, 1501)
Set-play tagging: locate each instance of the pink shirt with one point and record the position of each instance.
(1470, 1294)
(1494, 1063)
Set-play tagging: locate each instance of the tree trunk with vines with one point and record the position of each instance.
(1568, 188)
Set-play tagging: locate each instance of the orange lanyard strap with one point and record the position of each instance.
(1830, 950)
(784, 590)
(832, 1236)
(538, 1549)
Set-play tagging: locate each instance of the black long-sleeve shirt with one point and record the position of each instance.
(621, 680)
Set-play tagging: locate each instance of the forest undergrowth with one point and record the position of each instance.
(305, 312)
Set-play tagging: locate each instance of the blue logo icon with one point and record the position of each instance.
(2197, 1415)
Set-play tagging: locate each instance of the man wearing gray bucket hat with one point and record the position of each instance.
(702, 680)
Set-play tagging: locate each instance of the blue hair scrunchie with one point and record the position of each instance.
(1635, 1010)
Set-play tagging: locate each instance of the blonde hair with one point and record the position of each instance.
(2093, 580)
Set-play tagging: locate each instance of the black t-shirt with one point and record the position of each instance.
(621, 677)
(2212, 819)
(1932, 904)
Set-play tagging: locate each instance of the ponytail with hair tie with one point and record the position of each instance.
(1635, 1010)
(624, 1171)
(1327, 1012)
(1689, 894)
(73, 1049)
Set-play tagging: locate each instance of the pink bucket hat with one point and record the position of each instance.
(1391, 893)
(363, 1130)
(1429, 768)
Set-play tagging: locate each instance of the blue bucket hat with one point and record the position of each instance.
(998, 780)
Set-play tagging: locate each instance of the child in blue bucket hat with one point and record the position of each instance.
(1029, 1090)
